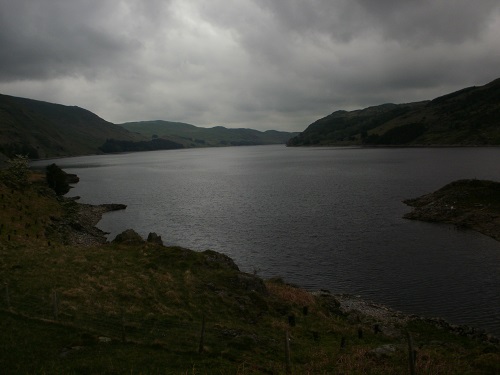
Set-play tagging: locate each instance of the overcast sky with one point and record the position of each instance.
(262, 64)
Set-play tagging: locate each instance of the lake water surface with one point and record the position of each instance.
(322, 218)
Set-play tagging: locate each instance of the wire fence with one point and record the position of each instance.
(150, 329)
(116, 326)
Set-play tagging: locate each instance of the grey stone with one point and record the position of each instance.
(130, 237)
(383, 351)
(154, 238)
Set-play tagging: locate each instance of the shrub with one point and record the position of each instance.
(57, 179)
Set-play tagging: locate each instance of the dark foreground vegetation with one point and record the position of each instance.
(71, 305)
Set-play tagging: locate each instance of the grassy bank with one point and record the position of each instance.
(143, 308)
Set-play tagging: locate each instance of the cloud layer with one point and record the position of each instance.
(261, 64)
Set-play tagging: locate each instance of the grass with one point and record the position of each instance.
(151, 300)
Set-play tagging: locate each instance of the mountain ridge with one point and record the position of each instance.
(194, 136)
(467, 117)
(42, 129)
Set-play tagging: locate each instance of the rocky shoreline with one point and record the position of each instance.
(382, 318)
(391, 322)
(80, 229)
(467, 204)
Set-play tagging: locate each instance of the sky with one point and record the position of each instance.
(260, 64)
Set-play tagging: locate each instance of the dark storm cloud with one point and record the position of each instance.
(356, 53)
(35, 46)
(244, 63)
(429, 21)
(408, 21)
(52, 38)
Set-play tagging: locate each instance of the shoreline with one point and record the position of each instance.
(81, 228)
(467, 204)
(390, 321)
(358, 310)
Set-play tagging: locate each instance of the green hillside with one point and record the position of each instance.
(468, 117)
(194, 136)
(42, 129)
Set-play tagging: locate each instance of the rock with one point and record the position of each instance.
(218, 260)
(78, 227)
(112, 206)
(467, 204)
(68, 350)
(388, 329)
(154, 238)
(383, 351)
(129, 237)
(251, 282)
(72, 178)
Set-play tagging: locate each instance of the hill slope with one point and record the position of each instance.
(42, 129)
(467, 117)
(194, 136)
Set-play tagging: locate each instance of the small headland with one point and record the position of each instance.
(78, 227)
(70, 303)
(467, 204)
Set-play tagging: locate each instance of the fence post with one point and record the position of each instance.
(202, 336)
(411, 354)
(123, 327)
(360, 333)
(7, 296)
(55, 305)
(342, 343)
(288, 365)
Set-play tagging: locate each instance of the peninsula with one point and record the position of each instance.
(468, 204)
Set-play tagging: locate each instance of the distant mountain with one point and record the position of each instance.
(41, 130)
(45, 130)
(466, 117)
(194, 136)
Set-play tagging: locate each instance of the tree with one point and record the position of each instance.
(57, 179)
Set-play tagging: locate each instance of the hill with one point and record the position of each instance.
(42, 130)
(46, 130)
(468, 117)
(194, 136)
(73, 304)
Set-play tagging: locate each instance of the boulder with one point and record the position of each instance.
(214, 259)
(250, 282)
(154, 238)
(384, 351)
(129, 237)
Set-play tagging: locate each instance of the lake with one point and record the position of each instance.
(322, 218)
